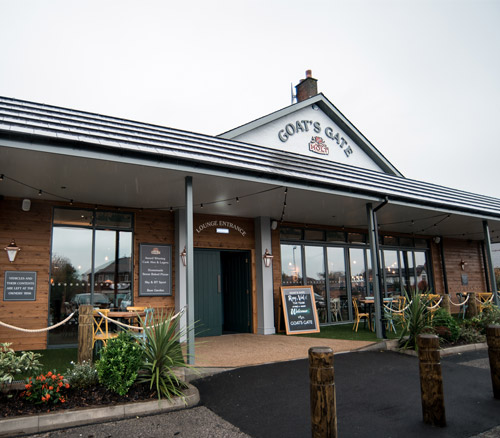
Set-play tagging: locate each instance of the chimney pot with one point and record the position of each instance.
(307, 87)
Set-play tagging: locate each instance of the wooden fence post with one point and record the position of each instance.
(85, 328)
(445, 303)
(472, 305)
(322, 389)
(431, 380)
(493, 339)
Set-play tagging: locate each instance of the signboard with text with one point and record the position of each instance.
(155, 270)
(19, 286)
(299, 308)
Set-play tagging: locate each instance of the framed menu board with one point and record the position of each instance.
(155, 270)
(299, 308)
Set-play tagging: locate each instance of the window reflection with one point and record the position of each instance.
(358, 272)
(337, 284)
(391, 273)
(315, 270)
(72, 280)
(291, 265)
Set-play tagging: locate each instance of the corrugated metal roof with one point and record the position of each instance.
(21, 118)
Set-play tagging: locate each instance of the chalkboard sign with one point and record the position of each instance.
(19, 286)
(299, 308)
(155, 279)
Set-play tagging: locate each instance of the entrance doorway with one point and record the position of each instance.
(222, 292)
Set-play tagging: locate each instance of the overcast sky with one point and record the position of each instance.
(420, 79)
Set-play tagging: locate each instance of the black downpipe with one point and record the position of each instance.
(377, 246)
(443, 263)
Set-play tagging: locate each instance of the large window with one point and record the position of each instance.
(91, 264)
(338, 267)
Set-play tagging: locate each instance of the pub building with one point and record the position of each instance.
(99, 210)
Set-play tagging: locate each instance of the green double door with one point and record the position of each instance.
(222, 292)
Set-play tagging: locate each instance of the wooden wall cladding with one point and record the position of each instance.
(31, 231)
(241, 232)
(154, 227)
(471, 253)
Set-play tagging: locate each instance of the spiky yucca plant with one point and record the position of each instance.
(162, 354)
(417, 318)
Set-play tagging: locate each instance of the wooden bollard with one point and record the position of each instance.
(472, 305)
(85, 328)
(322, 388)
(431, 380)
(493, 340)
(445, 303)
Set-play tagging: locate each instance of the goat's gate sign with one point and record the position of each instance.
(299, 308)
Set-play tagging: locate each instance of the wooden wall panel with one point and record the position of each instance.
(31, 230)
(471, 252)
(154, 227)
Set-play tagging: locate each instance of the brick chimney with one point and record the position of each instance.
(307, 87)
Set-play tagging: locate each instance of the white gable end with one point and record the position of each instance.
(309, 131)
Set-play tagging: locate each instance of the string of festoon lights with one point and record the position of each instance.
(40, 191)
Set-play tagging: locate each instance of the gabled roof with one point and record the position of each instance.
(331, 111)
(32, 124)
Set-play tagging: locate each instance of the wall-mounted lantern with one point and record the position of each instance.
(463, 264)
(183, 256)
(12, 250)
(267, 258)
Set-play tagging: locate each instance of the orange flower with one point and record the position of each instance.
(43, 398)
(66, 386)
(53, 377)
(60, 384)
(51, 388)
(27, 386)
(47, 396)
(49, 373)
(62, 400)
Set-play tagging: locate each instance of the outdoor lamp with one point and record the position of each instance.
(12, 250)
(267, 258)
(183, 256)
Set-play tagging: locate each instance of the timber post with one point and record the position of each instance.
(322, 389)
(431, 380)
(493, 340)
(85, 332)
(472, 305)
(445, 303)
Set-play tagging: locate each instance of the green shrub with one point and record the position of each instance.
(12, 363)
(445, 326)
(489, 315)
(471, 335)
(119, 363)
(162, 353)
(82, 375)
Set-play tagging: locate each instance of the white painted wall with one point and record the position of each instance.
(297, 130)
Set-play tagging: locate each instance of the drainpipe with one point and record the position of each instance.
(377, 274)
(443, 262)
(189, 269)
(490, 268)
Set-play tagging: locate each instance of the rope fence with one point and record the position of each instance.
(46, 329)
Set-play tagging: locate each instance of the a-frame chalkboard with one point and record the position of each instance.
(299, 309)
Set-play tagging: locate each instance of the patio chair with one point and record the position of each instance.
(335, 308)
(101, 328)
(484, 299)
(462, 296)
(147, 321)
(358, 316)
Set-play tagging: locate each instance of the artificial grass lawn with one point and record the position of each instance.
(345, 331)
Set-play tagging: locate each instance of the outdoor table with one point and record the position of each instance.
(126, 317)
(367, 304)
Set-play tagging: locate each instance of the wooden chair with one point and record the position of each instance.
(101, 329)
(358, 316)
(484, 299)
(147, 321)
(433, 300)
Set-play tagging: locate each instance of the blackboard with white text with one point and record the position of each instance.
(299, 308)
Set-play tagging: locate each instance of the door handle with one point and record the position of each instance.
(218, 284)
